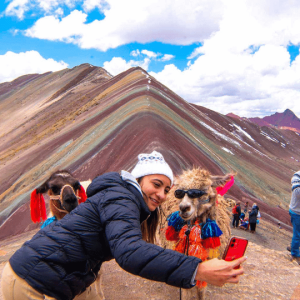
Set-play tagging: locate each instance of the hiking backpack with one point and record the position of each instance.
(234, 210)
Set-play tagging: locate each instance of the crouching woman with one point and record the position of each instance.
(62, 260)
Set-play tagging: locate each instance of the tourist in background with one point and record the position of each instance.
(253, 217)
(294, 212)
(236, 211)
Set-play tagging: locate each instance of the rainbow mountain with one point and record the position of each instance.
(89, 122)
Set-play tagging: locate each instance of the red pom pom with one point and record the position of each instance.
(81, 194)
(37, 207)
(212, 242)
(171, 234)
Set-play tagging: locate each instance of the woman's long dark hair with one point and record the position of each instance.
(150, 225)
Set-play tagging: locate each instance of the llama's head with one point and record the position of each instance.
(64, 190)
(196, 192)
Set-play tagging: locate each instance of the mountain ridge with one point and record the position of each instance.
(89, 122)
(286, 120)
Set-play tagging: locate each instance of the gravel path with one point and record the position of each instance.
(269, 274)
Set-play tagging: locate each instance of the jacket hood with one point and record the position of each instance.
(115, 180)
(107, 180)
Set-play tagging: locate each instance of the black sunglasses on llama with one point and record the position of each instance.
(193, 193)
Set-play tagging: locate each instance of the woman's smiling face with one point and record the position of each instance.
(155, 188)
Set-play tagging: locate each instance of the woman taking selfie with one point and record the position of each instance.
(63, 259)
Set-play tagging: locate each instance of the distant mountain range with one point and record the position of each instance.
(87, 121)
(285, 120)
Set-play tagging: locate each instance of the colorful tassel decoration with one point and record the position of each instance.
(175, 221)
(210, 229)
(211, 242)
(182, 232)
(37, 207)
(49, 221)
(211, 234)
(213, 253)
(195, 235)
(81, 194)
(198, 251)
(171, 234)
(200, 240)
(222, 190)
(181, 246)
(201, 284)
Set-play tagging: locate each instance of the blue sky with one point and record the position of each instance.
(239, 56)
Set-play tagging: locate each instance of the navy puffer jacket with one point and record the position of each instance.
(63, 259)
(253, 215)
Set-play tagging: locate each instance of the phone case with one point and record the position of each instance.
(235, 249)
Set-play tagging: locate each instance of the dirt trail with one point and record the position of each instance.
(269, 274)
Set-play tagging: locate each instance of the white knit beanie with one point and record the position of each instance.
(153, 163)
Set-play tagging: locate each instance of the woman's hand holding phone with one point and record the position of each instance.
(218, 272)
(236, 248)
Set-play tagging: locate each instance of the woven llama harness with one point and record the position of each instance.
(55, 198)
(199, 240)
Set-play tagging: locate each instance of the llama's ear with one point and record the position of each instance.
(42, 188)
(37, 207)
(222, 190)
(82, 194)
(221, 180)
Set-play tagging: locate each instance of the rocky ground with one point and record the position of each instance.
(269, 274)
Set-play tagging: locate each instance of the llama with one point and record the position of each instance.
(65, 192)
(197, 191)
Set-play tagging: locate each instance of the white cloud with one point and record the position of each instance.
(129, 21)
(228, 76)
(59, 12)
(118, 65)
(243, 83)
(150, 54)
(13, 65)
(46, 5)
(18, 8)
(167, 57)
(89, 5)
(51, 28)
(135, 53)
(242, 65)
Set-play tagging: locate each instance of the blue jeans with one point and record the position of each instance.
(295, 219)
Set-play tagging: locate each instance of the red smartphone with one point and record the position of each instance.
(235, 249)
